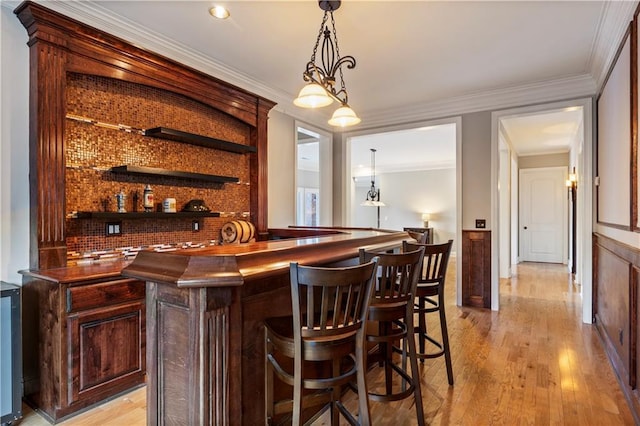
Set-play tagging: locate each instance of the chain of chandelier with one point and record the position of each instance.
(321, 90)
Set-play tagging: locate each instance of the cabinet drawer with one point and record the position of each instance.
(103, 294)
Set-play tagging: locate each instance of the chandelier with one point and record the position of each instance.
(321, 87)
(373, 195)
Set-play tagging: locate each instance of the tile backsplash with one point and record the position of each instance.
(92, 150)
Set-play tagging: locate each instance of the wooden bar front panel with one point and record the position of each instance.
(476, 269)
(205, 316)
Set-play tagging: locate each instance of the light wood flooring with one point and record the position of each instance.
(533, 363)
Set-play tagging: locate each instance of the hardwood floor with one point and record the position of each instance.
(534, 362)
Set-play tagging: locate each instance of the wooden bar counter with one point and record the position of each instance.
(205, 312)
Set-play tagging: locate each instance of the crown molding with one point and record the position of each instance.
(611, 29)
(528, 94)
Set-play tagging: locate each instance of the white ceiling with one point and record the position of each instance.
(415, 59)
(548, 132)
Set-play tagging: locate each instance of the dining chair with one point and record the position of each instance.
(325, 339)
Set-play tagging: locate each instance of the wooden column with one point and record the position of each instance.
(47, 105)
(187, 367)
(259, 171)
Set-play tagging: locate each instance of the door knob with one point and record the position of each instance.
(525, 227)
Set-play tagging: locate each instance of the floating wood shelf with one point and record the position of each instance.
(143, 215)
(139, 170)
(193, 139)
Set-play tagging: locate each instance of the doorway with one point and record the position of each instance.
(579, 155)
(419, 174)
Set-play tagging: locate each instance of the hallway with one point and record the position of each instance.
(534, 362)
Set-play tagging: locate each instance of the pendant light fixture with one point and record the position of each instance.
(373, 195)
(321, 89)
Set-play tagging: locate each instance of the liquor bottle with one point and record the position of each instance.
(147, 199)
(120, 200)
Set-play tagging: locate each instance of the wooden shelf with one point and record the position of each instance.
(193, 139)
(143, 215)
(139, 170)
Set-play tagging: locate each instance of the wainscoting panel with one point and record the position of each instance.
(616, 274)
(476, 268)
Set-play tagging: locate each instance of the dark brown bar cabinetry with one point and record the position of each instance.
(84, 337)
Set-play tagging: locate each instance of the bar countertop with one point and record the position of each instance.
(79, 273)
(230, 265)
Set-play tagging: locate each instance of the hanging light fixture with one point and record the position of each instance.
(373, 195)
(321, 89)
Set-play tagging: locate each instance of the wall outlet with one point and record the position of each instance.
(113, 228)
(195, 226)
(481, 223)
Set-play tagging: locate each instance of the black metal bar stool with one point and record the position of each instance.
(430, 298)
(325, 338)
(392, 309)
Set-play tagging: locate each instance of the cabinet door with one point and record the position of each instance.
(476, 269)
(106, 350)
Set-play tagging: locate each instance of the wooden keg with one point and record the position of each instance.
(238, 231)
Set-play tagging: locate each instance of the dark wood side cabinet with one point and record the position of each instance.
(476, 269)
(84, 338)
(429, 232)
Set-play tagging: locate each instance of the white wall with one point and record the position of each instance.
(409, 194)
(14, 147)
(548, 160)
(281, 170)
(476, 169)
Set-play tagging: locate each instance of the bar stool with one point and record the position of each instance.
(392, 308)
(325, 338)
(430, 298)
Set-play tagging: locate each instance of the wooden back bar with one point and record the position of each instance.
(205, 312)
(59, 45)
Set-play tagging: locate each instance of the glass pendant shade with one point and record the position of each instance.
(312, 96)
(372, 203)
(344, 116)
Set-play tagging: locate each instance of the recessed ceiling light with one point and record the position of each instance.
(219, 12)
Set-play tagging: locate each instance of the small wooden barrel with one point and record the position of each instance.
(238, 231)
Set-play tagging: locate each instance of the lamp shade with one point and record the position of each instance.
(426, 217)
(344, 116)
(372, 203)
(312, 96)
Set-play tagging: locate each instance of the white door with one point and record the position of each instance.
(543, 215)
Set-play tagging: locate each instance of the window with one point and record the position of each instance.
(313, 177)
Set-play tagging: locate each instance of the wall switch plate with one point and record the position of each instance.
(195, 226)
(113, 228)
(481, 223)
